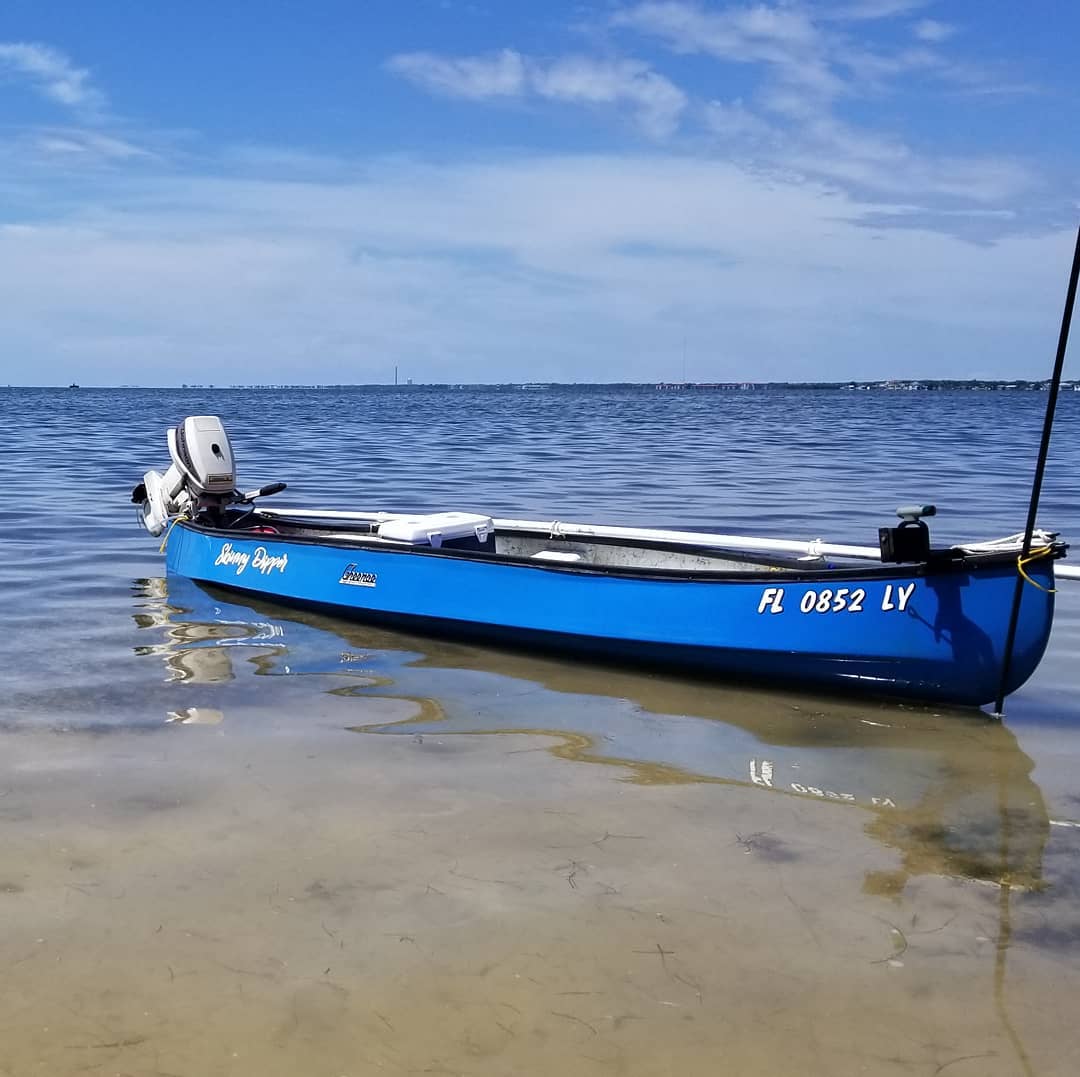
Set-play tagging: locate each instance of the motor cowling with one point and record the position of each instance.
(200, 448)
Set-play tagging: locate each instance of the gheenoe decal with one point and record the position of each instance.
(352, 575)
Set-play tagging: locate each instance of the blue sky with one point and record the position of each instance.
(309, 193)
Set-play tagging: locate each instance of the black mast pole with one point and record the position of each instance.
(1040, 468)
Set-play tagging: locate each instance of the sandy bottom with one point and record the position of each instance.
(199, 900)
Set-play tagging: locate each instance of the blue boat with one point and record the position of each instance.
(920, 623)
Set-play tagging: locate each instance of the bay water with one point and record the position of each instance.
(241, 839)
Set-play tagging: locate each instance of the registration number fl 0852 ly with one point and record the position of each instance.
(836, 599)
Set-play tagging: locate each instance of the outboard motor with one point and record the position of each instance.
(201, 480)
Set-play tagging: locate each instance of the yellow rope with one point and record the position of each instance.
(1035, 555)
(184, 516)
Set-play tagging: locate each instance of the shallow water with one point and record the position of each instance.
(243, 840)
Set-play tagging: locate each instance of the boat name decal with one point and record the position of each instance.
(762, 771)
(258, 559)
(352, 575)
(838, 600)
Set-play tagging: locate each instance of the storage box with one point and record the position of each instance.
(438, 527)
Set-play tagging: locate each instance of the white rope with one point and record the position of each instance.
(1010, 542)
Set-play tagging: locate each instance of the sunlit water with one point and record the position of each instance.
(247, 840)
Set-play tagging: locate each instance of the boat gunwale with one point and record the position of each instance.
(949, 561)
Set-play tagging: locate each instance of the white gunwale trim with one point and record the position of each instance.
(813, 550)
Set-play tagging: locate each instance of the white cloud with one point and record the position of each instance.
(932, 30)
(52, 74)
(818, 51)
(813, 142)
(475, 77)
(735, 33)
(873, 69)
(892, 168)
(564, 267)
(655, 101)
(811, 63)
(797, 46)
(785, 38)
(874, 9)
(810, 67)
(89, 145)
(736, 122)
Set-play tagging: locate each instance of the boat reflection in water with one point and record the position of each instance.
(952, 792)
(196, 641)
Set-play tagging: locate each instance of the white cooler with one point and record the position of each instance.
(437, 527)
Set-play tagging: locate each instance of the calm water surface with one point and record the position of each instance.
(246, 840)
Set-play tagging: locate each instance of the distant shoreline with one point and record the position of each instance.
(894, 385)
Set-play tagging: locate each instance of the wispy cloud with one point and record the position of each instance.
(932, 30)
(476, 77)
(783, 37)
(51, 74)
(802, 139)
(858, 10)
(799, 47)
(73, 142)
(734, 33)
(655, 102)
(812, 64)
(735, 122)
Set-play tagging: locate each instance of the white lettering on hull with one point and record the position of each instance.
(259, 559)
(837, 600)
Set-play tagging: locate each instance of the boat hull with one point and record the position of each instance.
(907, 632)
